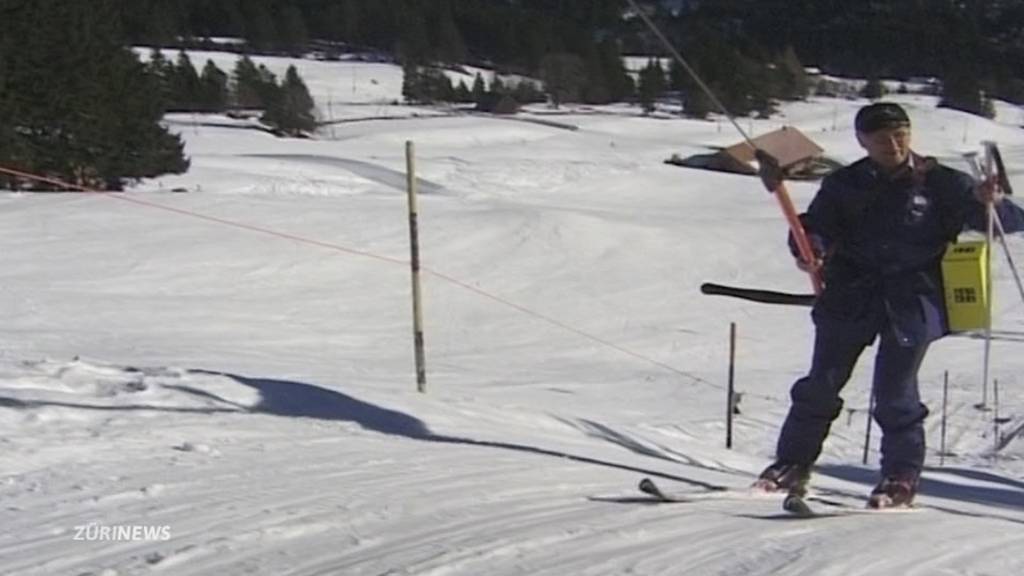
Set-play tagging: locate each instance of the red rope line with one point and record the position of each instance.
(339, 248)
(566, 327)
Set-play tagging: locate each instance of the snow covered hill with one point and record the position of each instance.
(221, 381)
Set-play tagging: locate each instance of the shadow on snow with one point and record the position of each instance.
(300, 400)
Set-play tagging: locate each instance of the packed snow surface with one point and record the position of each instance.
(221, 380)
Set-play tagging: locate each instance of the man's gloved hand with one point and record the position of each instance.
(989, 190)
(817, 246)
(769, 170)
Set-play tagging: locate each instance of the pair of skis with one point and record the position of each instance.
(795, 505)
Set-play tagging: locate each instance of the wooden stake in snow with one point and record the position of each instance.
(414, 246)
(867, 434)
(945, 404)
(995, 420)
(731, 398)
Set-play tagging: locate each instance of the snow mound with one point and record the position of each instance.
(43, 391)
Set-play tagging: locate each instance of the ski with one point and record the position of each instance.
(794, 505)
(798, 505)
(649, 487)
(756, 295)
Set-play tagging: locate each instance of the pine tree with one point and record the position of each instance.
(414, 45)
(439, 87)
(266, 86)
(595, 86)
(125, 141)
(695, 103)
(163, 72)
(497, 85)
(290, 108)
(185, 87)
(294, 36)
(412, 83)
(450, 46)
(247, 84)
(83, 109)
(479, 89)
(961, 90)
(652, 85)
(526, 92)
(793, 77)
(619, 83)
(159, 22)
(873, 89)
(260, 28)
(764, 87)
(563, 76)
(213, 88)
(462, 93)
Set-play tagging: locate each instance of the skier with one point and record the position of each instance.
(879, 228)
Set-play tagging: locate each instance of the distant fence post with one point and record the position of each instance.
(945, 404)
(730, 404)
(414, 246)
(995, 420)
(867, 434)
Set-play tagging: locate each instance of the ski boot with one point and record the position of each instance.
(894, 491)
(784, 477)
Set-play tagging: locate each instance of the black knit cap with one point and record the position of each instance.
(879, 115)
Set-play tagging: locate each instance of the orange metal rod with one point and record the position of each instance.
(799, 235)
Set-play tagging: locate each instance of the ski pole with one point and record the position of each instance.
(1004, 183)
(1009, 256)
(984, 173)
(988, 304)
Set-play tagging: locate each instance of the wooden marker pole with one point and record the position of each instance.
(414, 246)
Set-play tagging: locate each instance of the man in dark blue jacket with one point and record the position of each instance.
(880, 227)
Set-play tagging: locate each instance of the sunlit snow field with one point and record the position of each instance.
(234, 362)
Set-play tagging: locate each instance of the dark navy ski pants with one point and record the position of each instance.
(898, 408)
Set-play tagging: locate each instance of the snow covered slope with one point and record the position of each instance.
(231, 368)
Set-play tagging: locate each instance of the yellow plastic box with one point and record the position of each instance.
(965, 277)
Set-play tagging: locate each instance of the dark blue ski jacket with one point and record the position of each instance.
(885, 236)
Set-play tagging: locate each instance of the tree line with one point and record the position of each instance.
(976, 47)
(287, 107)
(76, 102)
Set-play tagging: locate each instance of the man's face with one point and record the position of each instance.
(888, 147)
